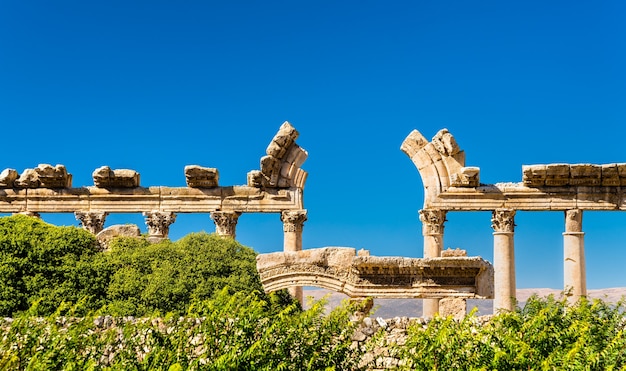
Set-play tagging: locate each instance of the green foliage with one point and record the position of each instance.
(39, 261)
(229, 332)
(167, 276)
(546, 334)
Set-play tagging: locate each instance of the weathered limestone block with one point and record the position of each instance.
(105, 236)
(610, 175)
(457, 308)
(534, 175)
(466, 177)
(28, 179)
(445, 143)
(557, 175)
(280, 168)
(281, 142)
(201, 177)
(449, 253)
(413, 143)
(585, 175)
(53, 176)
(621, 169)
(104, 177)
(8, 178)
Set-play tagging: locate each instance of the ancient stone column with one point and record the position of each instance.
(93, 221)
(574, 279)
(225, 222)
(432, 230)
(158, 223)
(503, 224)
(293, 221)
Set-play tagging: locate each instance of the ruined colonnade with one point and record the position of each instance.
(568, 188)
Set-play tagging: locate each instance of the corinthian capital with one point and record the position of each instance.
(432, 221)
(293, 220)
(503, 220)
(93, 221)
(225, 222)
(158, 223)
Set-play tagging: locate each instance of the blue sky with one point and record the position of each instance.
(157, 85)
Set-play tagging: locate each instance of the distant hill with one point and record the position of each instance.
(389, 308)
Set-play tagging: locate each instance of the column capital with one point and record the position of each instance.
(158, 223)
(293, 221)
(432, 221)
(573, 220)
(93, 221)
(225, 222)
(503, 220)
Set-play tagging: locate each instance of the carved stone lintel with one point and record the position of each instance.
(225, 222)
(432, 221)
(293, 220)
(93, 221)
(503, 220)
(158, 223)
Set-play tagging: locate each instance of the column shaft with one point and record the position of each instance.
(503, 224)
(574, 271)
(432, 229)
(293, 221)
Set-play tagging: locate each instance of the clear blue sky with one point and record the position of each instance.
(157, 85)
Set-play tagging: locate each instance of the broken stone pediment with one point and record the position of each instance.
(201, 177)
(280, 168)
(104, 177)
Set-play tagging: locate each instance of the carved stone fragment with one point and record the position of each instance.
(8, 178)
(557, 175)
(610, 175)
(280, 168)
(534, 175)
(104, 177)
(342, 270)
(158, 223)
(445, 143)
(466, 177)
(93, 221)
(28, 179)
(201, 177)
(53, 176)
(449, 253)
(585, 175)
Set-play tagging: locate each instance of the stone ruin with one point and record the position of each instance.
(277, 187)
(451, 186)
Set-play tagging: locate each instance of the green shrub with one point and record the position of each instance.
(45, 263)
(229, 332)
(167, 276)
(546, 334)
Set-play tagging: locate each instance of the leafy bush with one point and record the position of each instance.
(167, 276)
(229, 332)
(51, 264)
(546, 334)
(45, 263)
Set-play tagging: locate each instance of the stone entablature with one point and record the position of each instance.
(340, 269)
